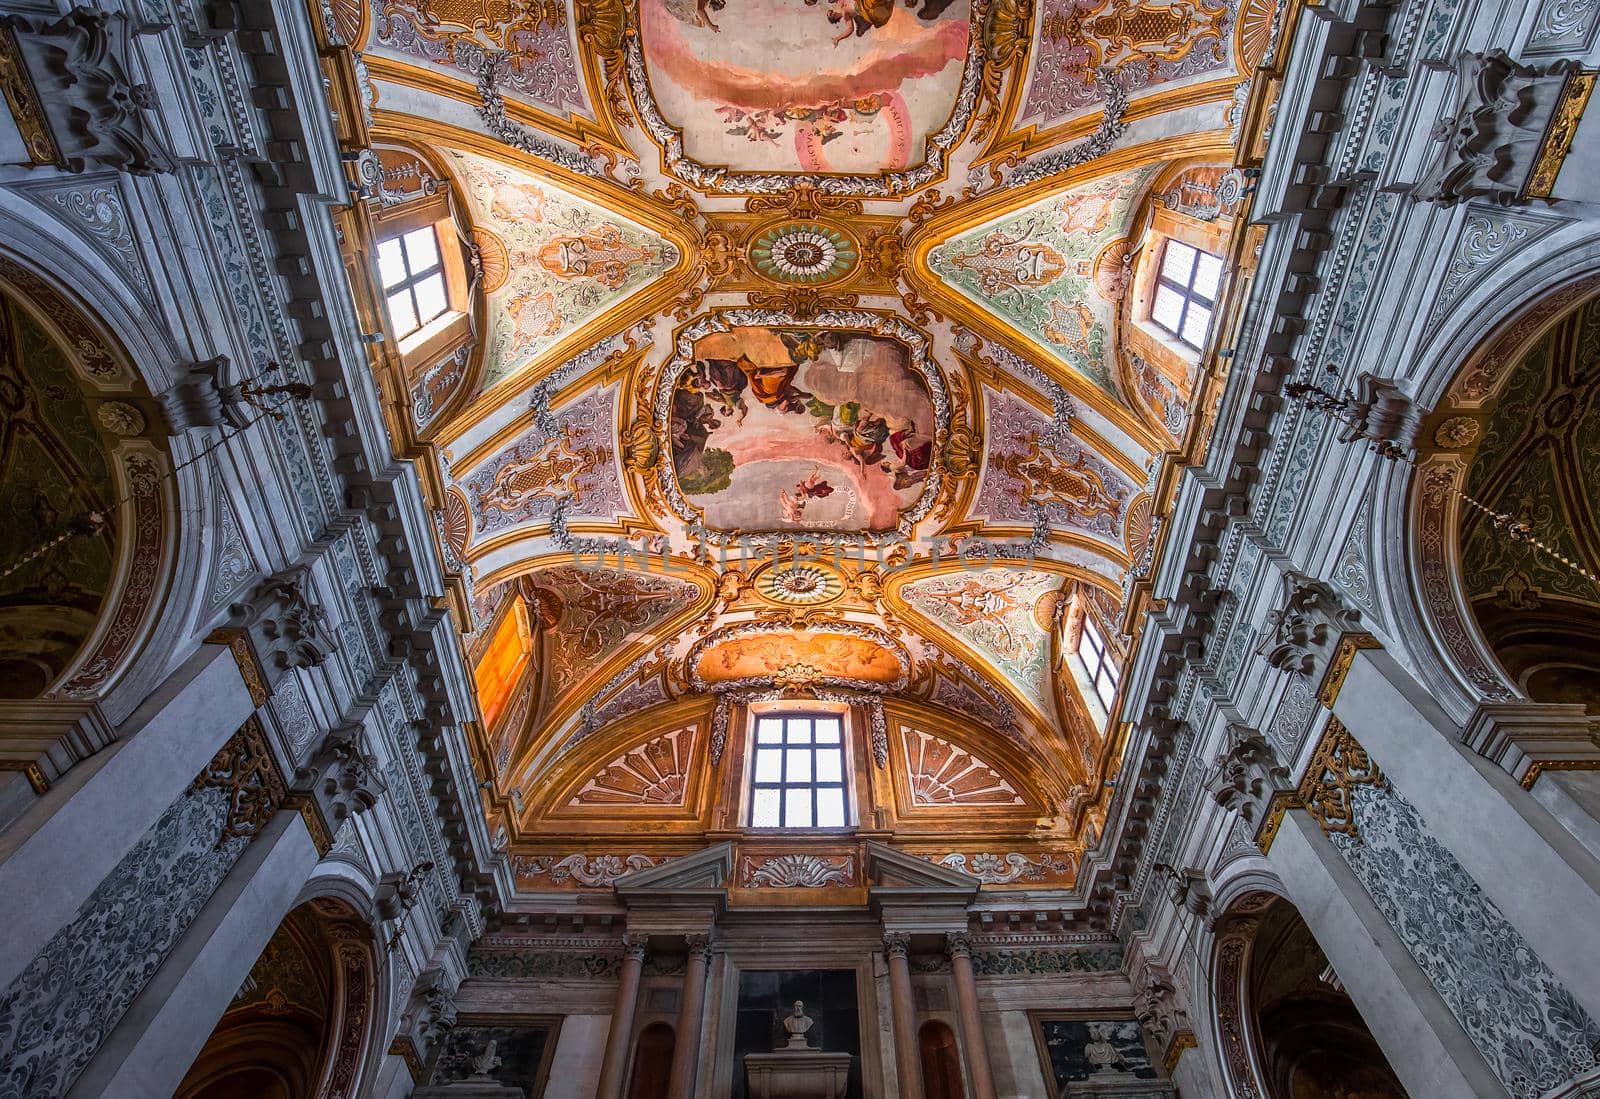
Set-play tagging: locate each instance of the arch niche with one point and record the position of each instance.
(300, 1025)
(1286, 1026)
(1506, 484)
(84, 519)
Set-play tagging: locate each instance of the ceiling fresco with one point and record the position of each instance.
(1054, 270)
(804, 365)
(550, 261)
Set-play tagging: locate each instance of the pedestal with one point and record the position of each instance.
(1120, 1085)
(797, 1074)
(473, 1087)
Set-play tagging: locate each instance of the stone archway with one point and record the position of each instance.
(300, 1025)
(1286, 1027)
(83, 519)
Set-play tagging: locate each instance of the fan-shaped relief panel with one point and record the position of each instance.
(653, 774)
(877, 89)
(941, 774)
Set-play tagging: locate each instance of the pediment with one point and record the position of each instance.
(698, 873)
(895, 872)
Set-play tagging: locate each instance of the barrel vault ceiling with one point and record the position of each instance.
(842, 282)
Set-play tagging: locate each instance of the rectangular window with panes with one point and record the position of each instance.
(1186, 292)
(1097, 662)
(412, 272)
(797, 772)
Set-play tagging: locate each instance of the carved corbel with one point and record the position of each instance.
(68, 84)
(1246, 774)
(343, 777)
(1494, 147)
(285, 628)
(1303, 635)
(1161, 1014)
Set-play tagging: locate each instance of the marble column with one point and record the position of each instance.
(903, 1008)
(619, 1040)
(165, 1027)
(691, 1019)
(1413, 1026)
(57, 852)
(1541, 877)
(972, 1041)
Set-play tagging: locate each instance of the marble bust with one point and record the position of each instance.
(1099, 1052)
(796, 1023)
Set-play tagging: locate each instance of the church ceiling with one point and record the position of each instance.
(788, 317)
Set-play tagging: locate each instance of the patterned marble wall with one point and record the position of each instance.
(1528, 1026)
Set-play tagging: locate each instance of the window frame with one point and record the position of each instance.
(410, 280)
(1104, 666)
(812, 786)
(1187, 294)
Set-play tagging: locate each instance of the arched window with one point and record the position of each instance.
(797, 776)
(941, 1061)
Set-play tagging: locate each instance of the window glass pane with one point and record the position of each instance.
(1168, 308)
(764, 814)
(1093, 633)
(391, 265)
(797, 808)
(1106, 693)
(1195, 324)
(769, 765)
(799, 730)
(430, 298)
(1208, 273)
(401, 313)
(1086, 654)
(769, 730)
(422, 249)
(830, 808)
(827, 730)
(830, 765)
(1111, 671)
(799, 766)
(1177, 262)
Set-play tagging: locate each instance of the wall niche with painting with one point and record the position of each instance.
(768, 996)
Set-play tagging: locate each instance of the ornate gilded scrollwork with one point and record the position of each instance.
(603, 26)
(245, 770)
(1006, 36)
(1339, 765)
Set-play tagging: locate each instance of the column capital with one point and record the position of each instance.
(897, 944)
(699, 943)
(635, 946)
(958, 944)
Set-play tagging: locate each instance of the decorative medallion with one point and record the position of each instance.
(121, 418)
(803, 252)
(1457, 432)
(799, 584)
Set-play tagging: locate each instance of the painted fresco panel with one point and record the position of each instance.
(552, 261)
(848, 86)
(1053, 270)
(778, 429)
